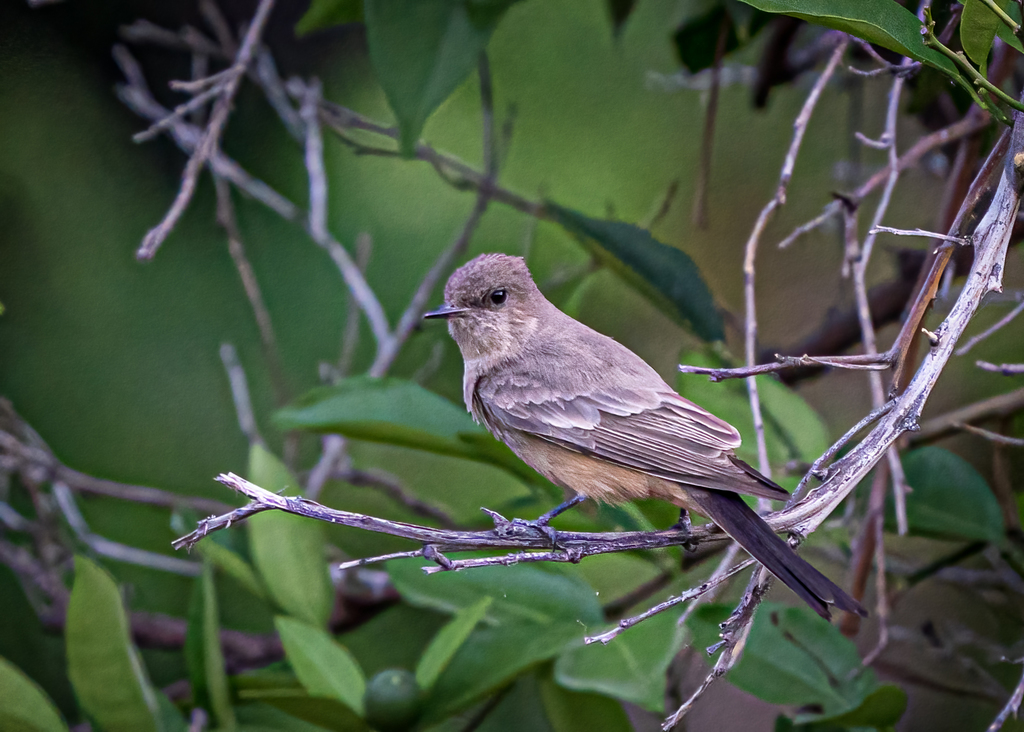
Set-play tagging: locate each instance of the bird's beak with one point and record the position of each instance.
(445, 311)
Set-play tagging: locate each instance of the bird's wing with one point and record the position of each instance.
(650, 430)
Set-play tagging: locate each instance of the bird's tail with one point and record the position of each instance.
(738, 520)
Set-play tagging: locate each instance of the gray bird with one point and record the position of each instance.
(593, 417)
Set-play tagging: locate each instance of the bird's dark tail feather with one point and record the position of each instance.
(744, 525)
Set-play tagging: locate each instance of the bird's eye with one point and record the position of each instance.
(498, 297)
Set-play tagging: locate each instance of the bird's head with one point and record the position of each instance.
(492, 306)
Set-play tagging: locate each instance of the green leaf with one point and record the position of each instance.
(231, 564)
(522, 593)
(422, 50)
(696, 39)
(288, 550)
(1004, 33)
(298, 713)
(573, 711)
(390, 410)
(949, 498)
(793, 657)
(664, 274)
(328, 13)
(448, 641)
(25, 706)
(323, 666)
(400, 412)
(632, 667)
(881, 709)
(104, 667)
(308, 714)
(978, 27)
(203, 652)
(492, 657)
(792, 420)
(884, 22)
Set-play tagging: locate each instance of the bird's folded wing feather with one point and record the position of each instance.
(652, 431)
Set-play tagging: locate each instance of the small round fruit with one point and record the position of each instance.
(392, 701)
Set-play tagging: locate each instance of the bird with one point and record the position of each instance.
(594, 418)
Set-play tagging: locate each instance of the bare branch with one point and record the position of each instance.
(226, 218)
(1001, 323)
(712, 582)
(735, 632)
(1006, 369)
(210, 139)
(860, 362)
(350, 272)
(1012, 707)
(1002, 405)
(115, 550)
(965, 240)
(992, 436)
(779, 199)
(240, 394)
(975, 121)
(507, 534)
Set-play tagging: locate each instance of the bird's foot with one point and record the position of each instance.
(541, 523)
(520, 527)
(683, 526)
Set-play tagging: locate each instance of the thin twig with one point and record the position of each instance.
(137, 97)
(350, 272)
(229, 222)
(779, 199)
(735, 632)
(992, 436)
(975, 121)
(1002, 405)
(115, 550)
(1001, 323)
(1011, 708)
(1006, 369)
(920, 232)
(210, 139)
(240, 394)
(692, 594)
(858, 362)
(192, 105)
(816, 468)
(861, 259)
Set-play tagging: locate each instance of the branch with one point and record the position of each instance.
(692, 594)
(991, 240)
(1012, 707)
(507, 534)
(210, 139)
(229, 222)
(115, 550)
(991, 436)
(1006, 369)
(317, 223)
(860, 362)
(1002, 405)
(1002, 322)
(778, 200)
